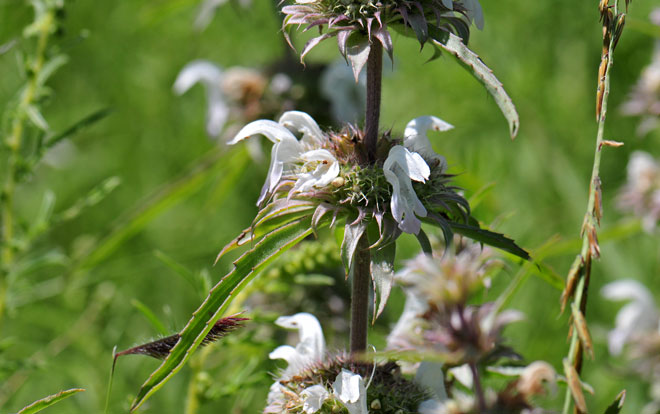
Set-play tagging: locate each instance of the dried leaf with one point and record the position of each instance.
(582, 330)
(574, 384)
(161, 348)
(571, 281)
(609, 143)
(594, 247)
(598, 199)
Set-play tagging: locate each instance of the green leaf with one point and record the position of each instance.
(219, 298)
(478, 68)
(352, 234)
(50, 68)
(89, 120)
(382, 276)
(151, 316)
(424, 242)
(617, 405)
(490, 238)
(357, 53)
(167, 196)
(39, 405)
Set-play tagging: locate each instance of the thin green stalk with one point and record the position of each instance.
(589, 248)
(13, 143)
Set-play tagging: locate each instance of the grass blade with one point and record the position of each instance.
(39, 405)
(203, 319)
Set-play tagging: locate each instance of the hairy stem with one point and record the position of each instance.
(362, 264)
(374, 78)
(360, 296)
(590, 248)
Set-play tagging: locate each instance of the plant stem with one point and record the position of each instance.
(592, 217)
(360, 296)
(374, 78)
(362, 263)
(478, 390)
(13, 143)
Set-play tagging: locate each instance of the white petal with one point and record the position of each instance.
(313, 398)
(463, 374)
(309, 331)
(198, 71)
(217, 113)
(270, 129)
(349, 389)
(326, 170)
(305, 124)
(415, 138)
(400, 166)
(628, 289)
(430, 376)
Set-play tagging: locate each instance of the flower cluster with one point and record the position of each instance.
(641, 193)
(637, 331)
(331, 170)
(436, 316)
(315, 382)
(358, 24)
(644, 100)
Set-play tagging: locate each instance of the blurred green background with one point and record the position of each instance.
(66, 318)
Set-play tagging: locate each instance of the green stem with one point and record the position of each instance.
(13, 143)
(580, 297)
(360, 296)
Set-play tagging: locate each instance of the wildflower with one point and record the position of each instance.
(636, 318)
(207, 11)
(211, 77)
(644, 99)
(358, 24)
(641, 193)
(327, 384)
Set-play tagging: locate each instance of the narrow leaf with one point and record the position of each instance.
(478, 68)
(490, 238)
(582, 330)
(89, 120)
(574, 384)
(150, 315)
(617, 405)
(219, 298)
(424, 242)
(37, 118)
(382, 276)
(39, 405)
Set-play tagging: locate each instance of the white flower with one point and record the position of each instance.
(207, 11)
(400, 167)
(349, 389)
(641, 193)
(311, 165)
(211, 77)
(415, 139)
(346, 96)
(311, 345)
(636, 318)
(314, 397)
